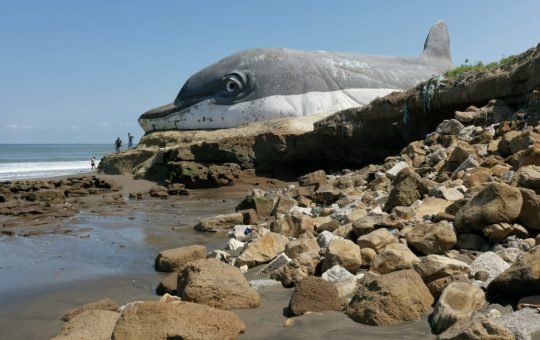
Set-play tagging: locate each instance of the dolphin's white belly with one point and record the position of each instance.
(207, 115)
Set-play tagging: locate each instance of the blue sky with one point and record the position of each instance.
(81, 71)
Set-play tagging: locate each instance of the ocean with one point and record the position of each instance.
(26, 161)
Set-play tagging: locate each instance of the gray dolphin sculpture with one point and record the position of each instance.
(270, 83)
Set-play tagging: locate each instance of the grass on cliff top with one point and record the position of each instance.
(478, 67)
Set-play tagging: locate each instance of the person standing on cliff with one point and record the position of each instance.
(130, 141)
(118, 144)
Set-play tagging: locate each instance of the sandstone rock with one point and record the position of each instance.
(314, 294)
(498, 232)
(529, 176)
(177, 320)
(294, 248)
(168, 284)
(490, 263)
(529, 215)
(395, 256)
(290, 274)
(263, 206)
(432, 238)
(408, 187)
(103, 304)
(220, 223)
(458, 301)
(343, 280)
(496, 203)
(317, 179)
(176, 259)
(366, 225)
(342, 252)
(433, 267)
(376, 240)
(477, 328)
(216, 284)
(390, 298)
(521, 279)
(471, 242)
(432, 206)
(509, 254)
(263, 250)
(368, 255)
(523, 323)
(90, 324)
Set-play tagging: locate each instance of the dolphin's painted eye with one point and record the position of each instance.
(232, 85)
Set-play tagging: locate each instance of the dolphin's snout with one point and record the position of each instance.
(161, 111)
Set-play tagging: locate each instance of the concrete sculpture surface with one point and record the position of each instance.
(265, 84)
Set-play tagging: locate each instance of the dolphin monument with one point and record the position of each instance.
(270, 83)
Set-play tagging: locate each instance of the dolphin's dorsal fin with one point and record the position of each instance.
(437, 43)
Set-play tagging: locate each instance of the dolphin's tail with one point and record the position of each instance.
(437, 45)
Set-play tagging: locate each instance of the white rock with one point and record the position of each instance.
(299, 211)
(280, 260)
(242, 232)
(450, 194)
(257, 284)
(234, 244)
(470, 162)
(491, 263)
(510, 255)
(392, 173)
(522, 323)
(376, 211)
(337, 274)
(243, 269)
(218, 255)
(325, 237)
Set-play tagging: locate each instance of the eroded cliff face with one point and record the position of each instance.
(347, 139)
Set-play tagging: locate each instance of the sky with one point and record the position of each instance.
(81, 71)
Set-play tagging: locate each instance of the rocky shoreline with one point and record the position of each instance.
(444, 224)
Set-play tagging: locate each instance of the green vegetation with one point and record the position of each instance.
(478, 67)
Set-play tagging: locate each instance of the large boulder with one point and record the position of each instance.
(477, 328)
(390, 299)
(395, 256)
(431, 238)
(529, 215)
(439, 271)
(176, 320)
(521, 279)
(103, 304)
(314, 294)
(496, 203)
(216, 284)
(91, 324)
(342, 252)
(263, 249)
(458, 301)
(293, 249)
(176, 259)
(529, 176)
(220, 223)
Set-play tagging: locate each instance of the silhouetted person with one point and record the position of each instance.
(130, 141)
(93, 163)
(118, 144)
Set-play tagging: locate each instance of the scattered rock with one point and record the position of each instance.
(314, 294)
(395, 256)
(90, 324)
(220, 223)
(263, 250)
(458, 301)
(176, 320)
(103, 304)
(216, 284)
(176, 259)
(344, 253)
(390, 298)
(431, 238)
(477, 328)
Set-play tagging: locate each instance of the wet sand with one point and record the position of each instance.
(110, 252)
